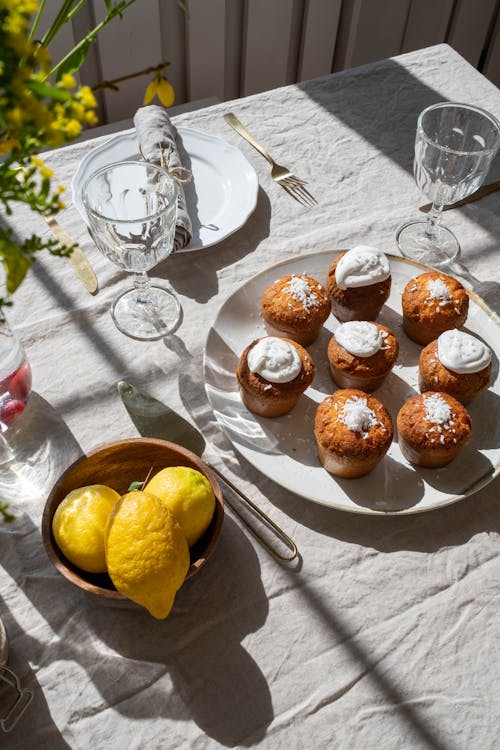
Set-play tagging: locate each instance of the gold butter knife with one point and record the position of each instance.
(77, 259)
(477, 195)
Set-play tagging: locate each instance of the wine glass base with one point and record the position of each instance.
(437, 252)
(147, 321)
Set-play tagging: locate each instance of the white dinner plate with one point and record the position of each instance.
(220, 197)
(284, 448)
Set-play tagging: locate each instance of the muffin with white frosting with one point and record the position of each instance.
(359, 283)
(353, 432)
(433, 302)
(455, 363)
(272, 374)
(433, 428)
(295, 306)
(361, 354)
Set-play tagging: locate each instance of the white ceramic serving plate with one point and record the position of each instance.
(220, 197)
(284, 448)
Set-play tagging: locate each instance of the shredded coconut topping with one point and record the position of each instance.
(300, 290)
(437, 410)
(439, 290)
(357, 415)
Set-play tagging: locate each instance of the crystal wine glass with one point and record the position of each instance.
(132, 208)
(454, 147)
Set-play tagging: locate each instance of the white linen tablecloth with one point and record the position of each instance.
(385, 634)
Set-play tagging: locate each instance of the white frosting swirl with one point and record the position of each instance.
(360, 338)
(275, 360)
(462, 353)
(362, 266)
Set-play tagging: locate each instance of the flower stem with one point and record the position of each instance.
(112, 84)
(115, 11)
(58, 21)
(36, 20)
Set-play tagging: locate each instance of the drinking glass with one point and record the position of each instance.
(132, 206)
(454, 146)
(15, 377)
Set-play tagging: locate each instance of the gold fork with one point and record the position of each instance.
(281, 175)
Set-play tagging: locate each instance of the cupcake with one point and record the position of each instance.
(432, 303)
(361, 354)
(353, 432)
(295, 307)
(273, 373)
(456, 363)
(359, 282)
(432, 429)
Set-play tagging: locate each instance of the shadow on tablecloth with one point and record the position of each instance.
(189, 667)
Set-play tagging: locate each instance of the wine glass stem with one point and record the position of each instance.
(433, 221)
(143, 286)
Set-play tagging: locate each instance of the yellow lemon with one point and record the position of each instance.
(146, 552)
(79, 525)
(189, 495)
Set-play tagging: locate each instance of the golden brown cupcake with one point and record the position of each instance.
(296, 307)
(359, 282)
(432, 303)
(361, 354)
(273, 373)
(433, 428)
(353, 432)
(456, 363)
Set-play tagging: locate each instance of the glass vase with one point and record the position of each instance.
(15, 377)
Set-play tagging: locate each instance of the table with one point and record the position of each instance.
(385, 634)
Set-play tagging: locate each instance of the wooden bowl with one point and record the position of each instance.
(118, 465)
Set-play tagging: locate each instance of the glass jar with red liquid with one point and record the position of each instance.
(15, 377)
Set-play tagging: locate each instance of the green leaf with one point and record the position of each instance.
(7, 517)
(16, 264)
(73, 62)
(42, 89)
(135, 486)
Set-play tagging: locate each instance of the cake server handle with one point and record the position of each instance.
(263, 517)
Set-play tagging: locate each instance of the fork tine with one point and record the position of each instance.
(299, 190)
(293, 180)
(310, 198)
(300, 194)
(292, 192)
(297, 184)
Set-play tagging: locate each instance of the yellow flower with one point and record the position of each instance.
(61, 189)
(15, 116)
(15, 23)
(46, 172)
(78, 111)
(91, 117)
(37, 162)
(20, 44)
(55, 136)
(87, 97)
(72, 128)
(8, 144)
(161, 88)
(23, 6)
(42, 57)
(67, 81)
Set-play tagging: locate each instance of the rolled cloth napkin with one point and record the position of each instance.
(156, 137)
